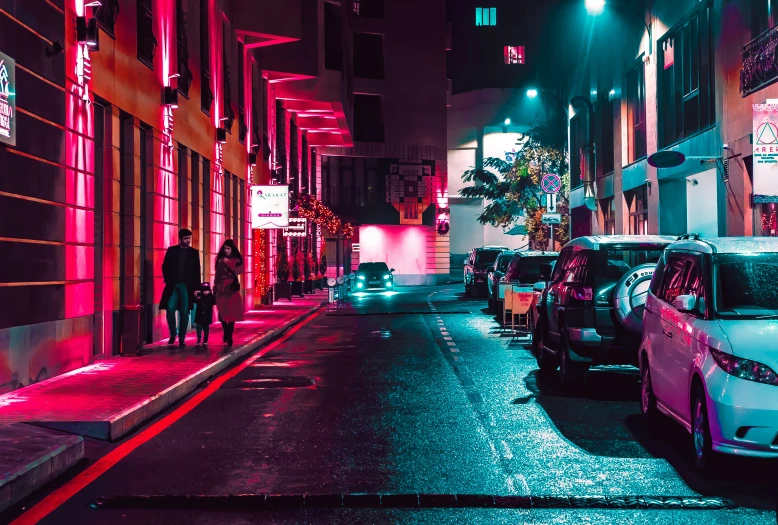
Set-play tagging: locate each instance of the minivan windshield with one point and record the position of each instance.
(484, 257)
(526, 269)
(373, 267)
(504, 261)
(745, 284)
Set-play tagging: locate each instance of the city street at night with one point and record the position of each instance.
(416, 392)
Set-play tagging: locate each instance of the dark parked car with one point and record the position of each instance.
(591, 311)
(374, 275)
(523, 270)
(477, 265)
(495, 274)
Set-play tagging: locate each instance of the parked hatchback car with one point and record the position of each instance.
(709, 352)
(372, 275)
(477, 265)
(495, 274)
(523, 271)
(591, 311)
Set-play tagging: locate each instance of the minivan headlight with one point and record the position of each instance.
(745, 368)
(387, 276)
(361, 277)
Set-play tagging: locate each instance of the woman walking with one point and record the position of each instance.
(229, 264)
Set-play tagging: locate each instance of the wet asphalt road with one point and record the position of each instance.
(416, 392)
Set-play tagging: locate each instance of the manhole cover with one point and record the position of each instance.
(274, 382)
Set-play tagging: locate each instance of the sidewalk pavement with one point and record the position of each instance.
(113, 396)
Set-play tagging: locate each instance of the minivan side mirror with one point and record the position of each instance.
(391, 270)
(539, 287)
(685, 303)
(545, 271)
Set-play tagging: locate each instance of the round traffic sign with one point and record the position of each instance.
(551, 183)
(331, 281)
(341, 279)
(352, 276)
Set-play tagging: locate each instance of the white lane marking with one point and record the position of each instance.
(447, 338)
(506, 450)
(451, 343)
(454, 349)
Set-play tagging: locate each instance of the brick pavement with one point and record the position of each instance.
(113, 396)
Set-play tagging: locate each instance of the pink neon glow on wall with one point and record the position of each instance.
(79, 194)
(403, 247)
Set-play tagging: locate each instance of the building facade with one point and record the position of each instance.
(129, 119)
(392, 181)
(683, 79)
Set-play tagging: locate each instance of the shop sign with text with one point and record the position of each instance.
(269, 207)
(765, 159)
(7, 100)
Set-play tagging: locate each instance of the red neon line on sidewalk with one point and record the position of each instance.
(57, 498)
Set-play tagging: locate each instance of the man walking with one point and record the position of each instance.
(182, 275)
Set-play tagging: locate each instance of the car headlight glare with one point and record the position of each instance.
(359, 285)
(387, 276)
(745, 368)
(361, 277)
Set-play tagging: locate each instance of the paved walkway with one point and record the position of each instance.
(113, 396)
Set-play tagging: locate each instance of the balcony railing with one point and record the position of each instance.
(760, 67)
(147, 42)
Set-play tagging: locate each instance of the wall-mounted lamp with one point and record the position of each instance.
(94, 3)
(171, 97)
(221, 135)
(174, 75)
(92, 34)
(252, 159)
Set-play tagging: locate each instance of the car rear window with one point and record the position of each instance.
(526, 270)
(373, 267)
(505, 260)
(615, 262)
(486, 256)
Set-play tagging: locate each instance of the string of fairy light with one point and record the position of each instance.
(311, 208)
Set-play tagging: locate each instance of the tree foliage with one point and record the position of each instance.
(516, 191)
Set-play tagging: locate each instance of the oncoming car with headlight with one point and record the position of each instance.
(374, 275)
(709, 351)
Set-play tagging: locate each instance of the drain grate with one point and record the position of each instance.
(272, 382)
(258, 502)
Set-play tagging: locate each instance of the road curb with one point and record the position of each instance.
(120, 424)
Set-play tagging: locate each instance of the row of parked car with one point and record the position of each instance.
(699, 317)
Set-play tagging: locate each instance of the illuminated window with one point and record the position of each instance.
(486, 16)
(513, 54)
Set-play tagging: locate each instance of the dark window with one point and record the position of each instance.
(636, 113)
(608, 207)
(638, 211)
(526, 270)
(147, 42)
(576, 270)
(513, 54)
(227, 112)
(333, 38)
(373, 267)
(484, 257)
(675, 273)
(605, 147)
(618, 261)
(764, 15)
(745, 284)
(206, 94)
(242, 128)
(369, 55)
(686, 83)
(368, 118)
(369, 8)
(559, 267)
(184, 74)
(576, 140)
(659, 273)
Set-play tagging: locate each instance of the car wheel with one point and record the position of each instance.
(647, 397)
(572, 375)
(704, 455)
(547, 363)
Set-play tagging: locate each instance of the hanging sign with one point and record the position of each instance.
(298, 227)
(7, 100)
(269, 207)
(765, 152)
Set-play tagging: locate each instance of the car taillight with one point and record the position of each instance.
(581, 295)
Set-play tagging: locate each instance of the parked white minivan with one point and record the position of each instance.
(709, 349)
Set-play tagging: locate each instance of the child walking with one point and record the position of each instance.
(205, 300)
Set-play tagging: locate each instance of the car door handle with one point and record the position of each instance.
(668, 333)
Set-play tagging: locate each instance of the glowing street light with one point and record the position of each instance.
(595, 7)
(507, 122)
(532, 93)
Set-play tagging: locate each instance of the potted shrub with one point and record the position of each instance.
(297, 275)
(282, 288)
(308, 272)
